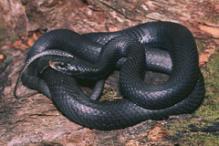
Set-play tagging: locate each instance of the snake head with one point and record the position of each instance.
(65, 67)
(76, 68)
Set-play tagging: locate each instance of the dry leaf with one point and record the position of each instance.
(2, 57)
(158, 132)
(26, 42)
(18, 44)
(31, 40)
(205, 55)
(217, 7)
(132, 143)
(213, 31)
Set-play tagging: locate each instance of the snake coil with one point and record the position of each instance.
(60, 57)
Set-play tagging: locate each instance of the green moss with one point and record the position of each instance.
(200, 139)
(2, 32)
(109, 94)
(201, 45)
(207, 113)
(210, 107)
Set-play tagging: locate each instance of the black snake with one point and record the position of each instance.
(61, 56)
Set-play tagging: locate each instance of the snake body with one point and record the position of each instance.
(159, 46)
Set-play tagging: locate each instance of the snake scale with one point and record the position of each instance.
(60, 57)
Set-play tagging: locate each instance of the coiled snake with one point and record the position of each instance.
(61, 56)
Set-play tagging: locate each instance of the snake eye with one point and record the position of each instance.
(61, 65)
(57, 65)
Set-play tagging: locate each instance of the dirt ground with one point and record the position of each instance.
(34, 121)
